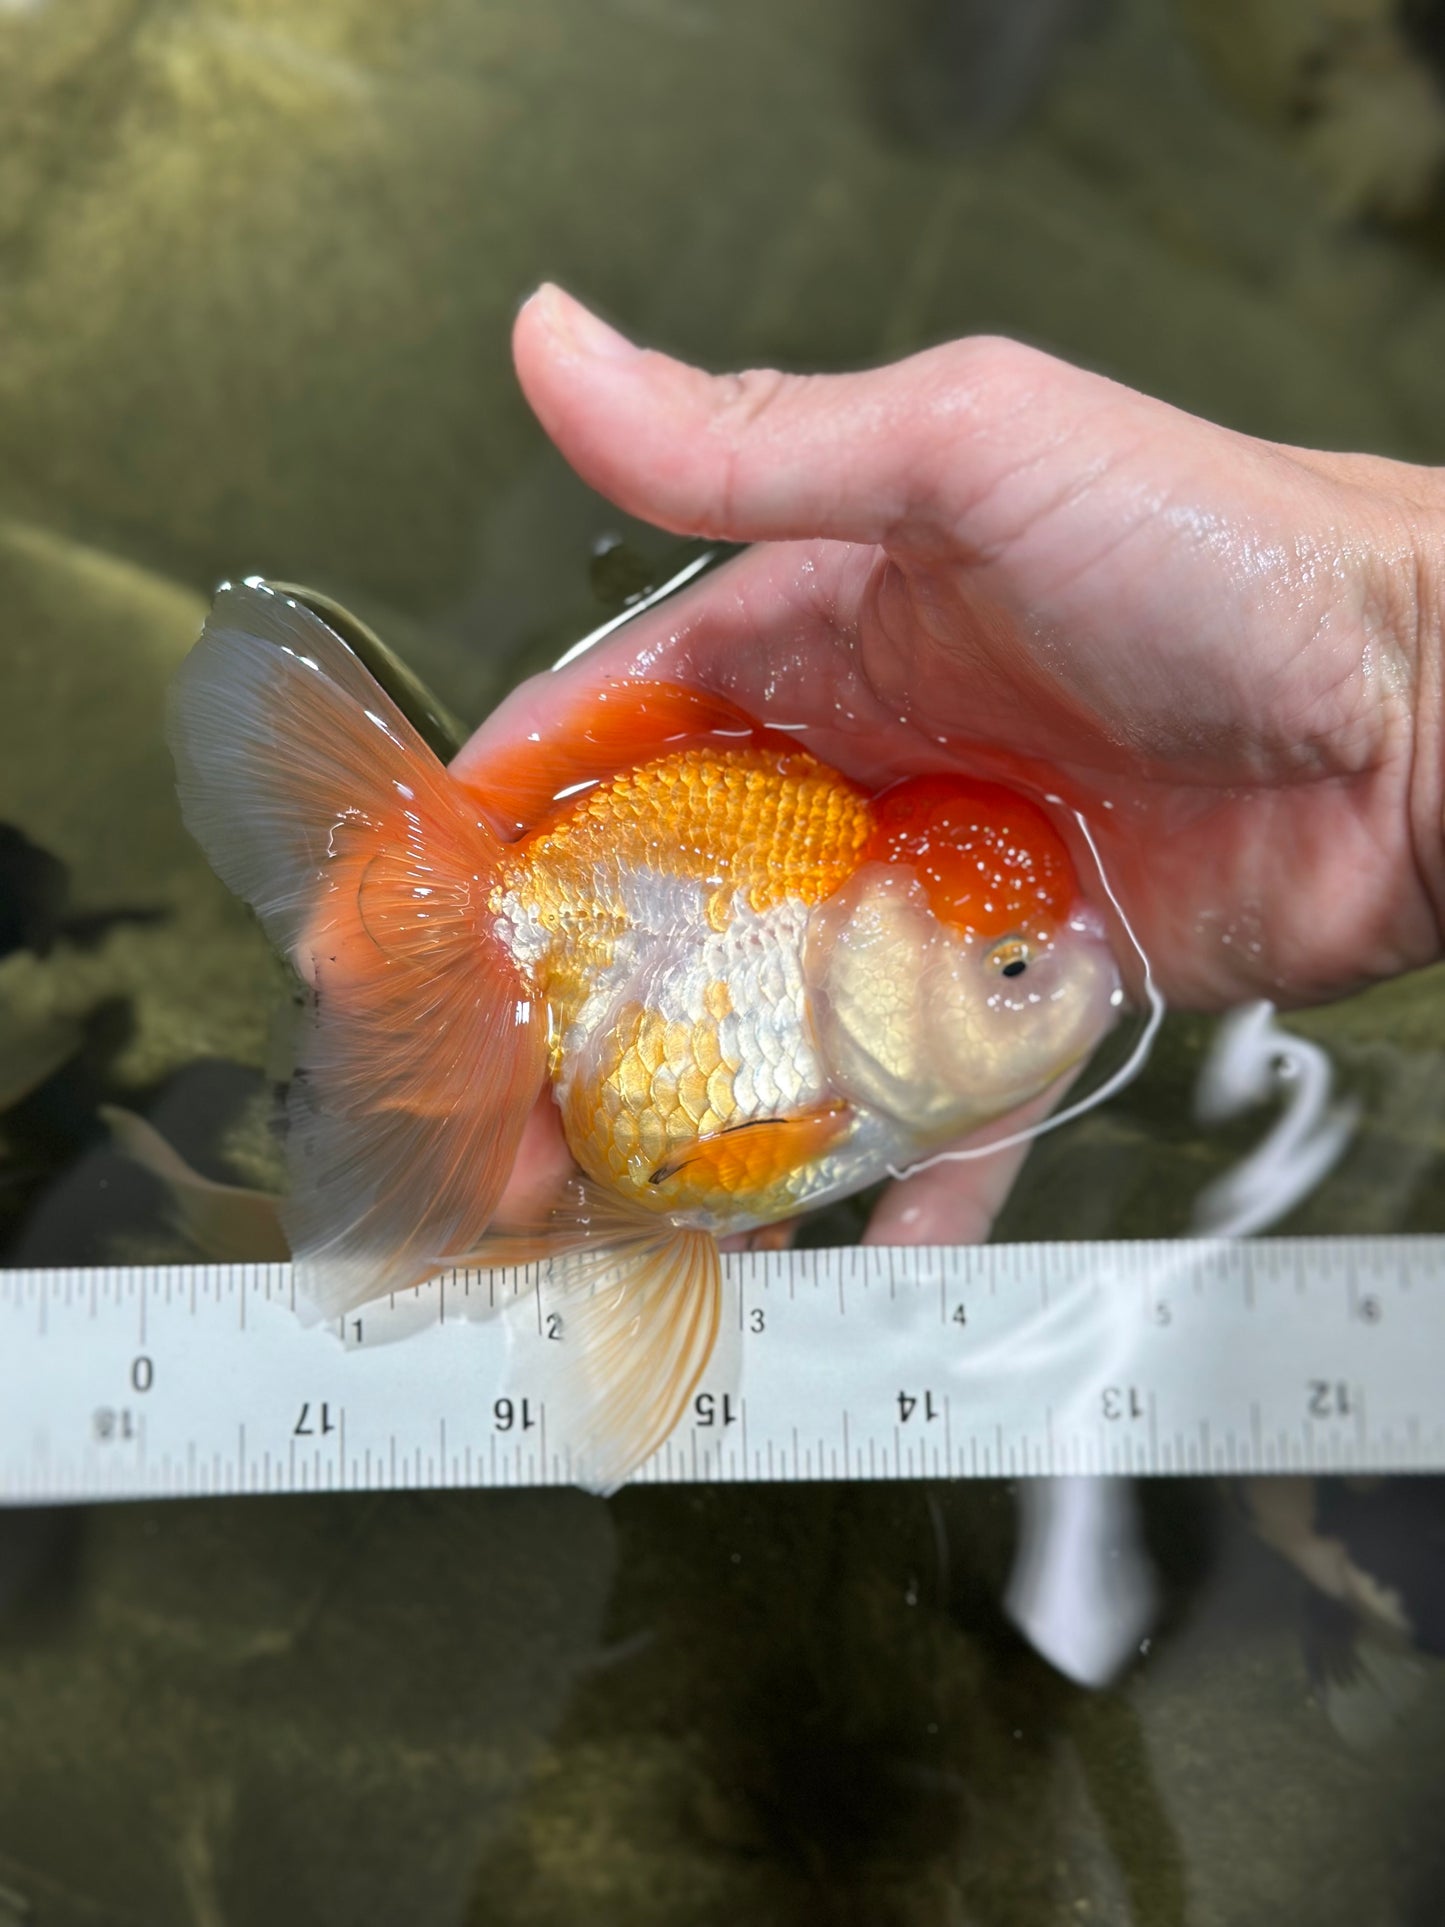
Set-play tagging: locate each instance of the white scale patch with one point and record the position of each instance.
(668, 957)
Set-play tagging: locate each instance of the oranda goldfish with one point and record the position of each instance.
(748, 984)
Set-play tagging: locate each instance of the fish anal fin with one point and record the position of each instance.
(748, 1160)
(597, 735)
(617, 1341)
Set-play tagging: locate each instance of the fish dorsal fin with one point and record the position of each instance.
(598, 735)
(626, 1319)
(421, 1055)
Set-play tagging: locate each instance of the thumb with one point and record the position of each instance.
(895, 455)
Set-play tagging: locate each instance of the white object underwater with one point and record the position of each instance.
(1082, 1590)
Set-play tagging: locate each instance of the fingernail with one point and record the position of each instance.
(571, 322)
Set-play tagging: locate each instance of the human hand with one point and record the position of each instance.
(1223, 652)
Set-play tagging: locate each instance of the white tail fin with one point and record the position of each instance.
(317, 802)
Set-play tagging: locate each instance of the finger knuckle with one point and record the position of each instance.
(747, 405)
(997, 375)
(744, 399)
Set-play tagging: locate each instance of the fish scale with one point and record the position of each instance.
(662, 917)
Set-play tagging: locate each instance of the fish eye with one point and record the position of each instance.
(1010, 958)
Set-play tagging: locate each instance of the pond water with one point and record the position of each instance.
(258, 266)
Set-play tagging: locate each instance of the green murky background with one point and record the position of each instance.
(258, 264)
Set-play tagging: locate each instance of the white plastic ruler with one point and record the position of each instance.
(1203, 1356)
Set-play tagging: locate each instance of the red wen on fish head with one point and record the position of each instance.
(990, 861)
(958, 973)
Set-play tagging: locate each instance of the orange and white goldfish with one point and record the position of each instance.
(748, 984)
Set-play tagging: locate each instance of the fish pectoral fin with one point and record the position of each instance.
(750, 1157)
(615, 1343)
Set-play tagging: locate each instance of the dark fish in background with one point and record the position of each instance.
(1373, 1552)
(35, 907)
(33, 892)
(1423, 24)
(31, 1540)
(32, 1050)
(48, 1060)
(130, 1182)
(227, 1223)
